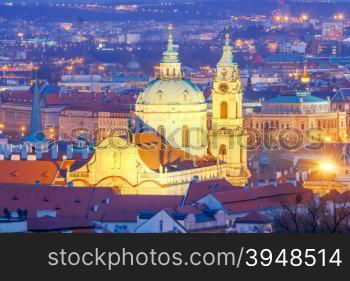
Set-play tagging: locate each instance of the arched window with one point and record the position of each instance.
(222, 150)
(223, 110)
(185, 137)
(167, 72)
(161, 130)
(237, 108)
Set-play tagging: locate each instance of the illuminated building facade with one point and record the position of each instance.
(171, 144)
(332, 31)
(303, 112)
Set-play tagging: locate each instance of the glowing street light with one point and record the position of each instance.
(327, 167)
(328, 139)
(339, 16)
(304, 17)
(101, 68)
(277, 18)
(22, 129)
(69, 68)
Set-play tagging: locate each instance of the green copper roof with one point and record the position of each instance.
(35, 133)
(170, 55)
(296, 99)
(227, 56)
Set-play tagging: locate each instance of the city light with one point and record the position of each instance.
(101, 68)
(278, 18)
(69, 68)
(304, 17)
(327, 167)
(339, 16)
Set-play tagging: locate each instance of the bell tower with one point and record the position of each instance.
(227, 137)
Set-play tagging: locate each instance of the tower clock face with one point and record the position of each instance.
(223, 88)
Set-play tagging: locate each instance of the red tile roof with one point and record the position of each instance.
(58, 224)
(202, 188)
(127, 207)
(28, 171)
(155, 152)
(261, 197)
(79, 202)
(253, 217)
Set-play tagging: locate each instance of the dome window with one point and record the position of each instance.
(160, 93)
(185, 137)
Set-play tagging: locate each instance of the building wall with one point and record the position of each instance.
(97, 125)
(16, 119)
(174, 119)
(332, 124)
(332, 30)
(159, 223)
(12, 226)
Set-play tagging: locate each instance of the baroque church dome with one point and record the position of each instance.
(170, 88)
(171, 92)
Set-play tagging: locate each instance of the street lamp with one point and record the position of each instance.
(23, 129)
(304, 17)
(69, 68)
(2, 127)
(4, 68)
(101, 68)
(339, 16)
(327, 167)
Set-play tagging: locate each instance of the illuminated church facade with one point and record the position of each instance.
(170, 143)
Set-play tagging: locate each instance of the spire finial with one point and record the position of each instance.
(227, 39)
(227, 56)
(305, 78)
(170, 38)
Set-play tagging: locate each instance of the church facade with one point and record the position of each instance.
(170, 144)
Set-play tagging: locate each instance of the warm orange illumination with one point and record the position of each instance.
(328, 167)
(305, 78)
(304, 17)
(339, 16)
